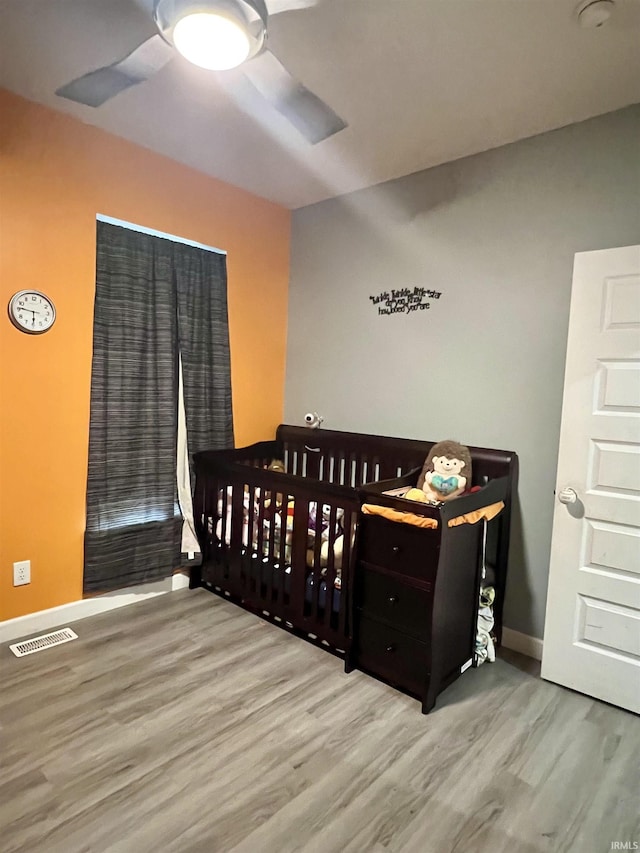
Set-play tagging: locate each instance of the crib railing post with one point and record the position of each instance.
(298, 558)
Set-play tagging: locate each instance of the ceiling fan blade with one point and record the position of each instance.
(146, 6)
(98, 86)
(307, 112)
(276, 6)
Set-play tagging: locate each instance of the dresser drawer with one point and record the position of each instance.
(404, 607)
(402, 548)
(390, 654)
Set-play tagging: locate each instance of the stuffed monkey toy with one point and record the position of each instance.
(446, 473)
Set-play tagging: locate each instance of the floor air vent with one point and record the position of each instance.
(45, 641)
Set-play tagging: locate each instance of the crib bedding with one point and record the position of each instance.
(282, 542)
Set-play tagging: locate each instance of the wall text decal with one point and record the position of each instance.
(404, 301)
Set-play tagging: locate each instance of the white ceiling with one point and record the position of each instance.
(420, 82)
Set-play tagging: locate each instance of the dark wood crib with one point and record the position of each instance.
(261, 549)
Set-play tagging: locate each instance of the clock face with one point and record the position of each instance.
(32, 312)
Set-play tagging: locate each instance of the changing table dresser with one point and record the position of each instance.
(415, 595)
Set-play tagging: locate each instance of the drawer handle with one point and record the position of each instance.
(391, 648)
(393, 599)
(396, 549)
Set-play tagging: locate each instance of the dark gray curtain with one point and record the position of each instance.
(154, 297)
(203, 335)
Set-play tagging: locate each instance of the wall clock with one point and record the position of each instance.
(32, 312)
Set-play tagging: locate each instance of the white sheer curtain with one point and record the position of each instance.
(190, 545)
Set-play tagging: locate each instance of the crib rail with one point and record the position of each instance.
(348, 459)
(353, 459)
(280, 544)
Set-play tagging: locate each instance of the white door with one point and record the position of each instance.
(592, 629)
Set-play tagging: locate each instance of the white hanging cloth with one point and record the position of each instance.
(190, 544)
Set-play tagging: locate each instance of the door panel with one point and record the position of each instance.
(612, 546)
(610, 626)
(618, 387)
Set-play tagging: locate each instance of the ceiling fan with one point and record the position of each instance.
(218, 35)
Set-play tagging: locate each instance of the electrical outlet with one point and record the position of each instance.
(22, 572)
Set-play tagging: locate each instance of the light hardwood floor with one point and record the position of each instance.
(185, 724)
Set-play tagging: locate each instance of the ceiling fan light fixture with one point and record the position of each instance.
(212, 40)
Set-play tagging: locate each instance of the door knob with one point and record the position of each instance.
(567, 496)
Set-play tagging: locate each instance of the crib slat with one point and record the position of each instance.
(298, 557)
(330, 573)
(277, 578)
(258, 535)
(255, 539)
(316, 541)
(356, 470)
(315, 597)
(235, 549)
(349, 526)
(312, 457)
(222, 515)
(327, 533)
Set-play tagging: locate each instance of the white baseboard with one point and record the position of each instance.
(523, 643)
(179, 581)
(23, 626)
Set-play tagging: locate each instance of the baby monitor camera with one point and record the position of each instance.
(313, 420)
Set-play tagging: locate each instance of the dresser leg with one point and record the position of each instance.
(428, 701)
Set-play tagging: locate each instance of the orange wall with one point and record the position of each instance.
(56, 174)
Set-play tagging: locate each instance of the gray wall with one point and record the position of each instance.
(495, 234)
